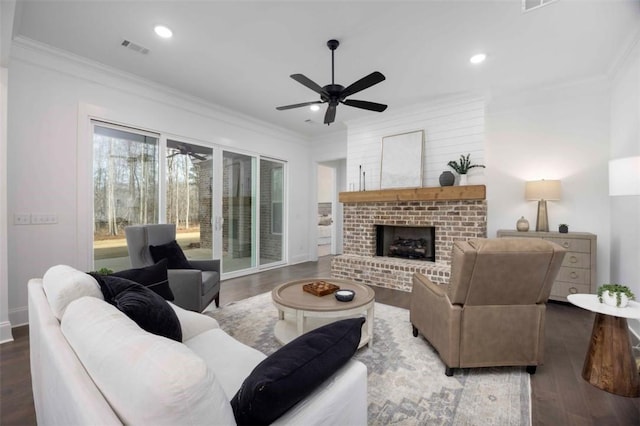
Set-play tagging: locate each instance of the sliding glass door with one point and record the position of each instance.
(238, 211)
(189, 197)
(125, 187)
(225, 205)
(271, 211)
(248, 230)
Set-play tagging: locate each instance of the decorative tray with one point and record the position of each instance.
(320, 288)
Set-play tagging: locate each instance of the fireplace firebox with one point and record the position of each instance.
(407, 242)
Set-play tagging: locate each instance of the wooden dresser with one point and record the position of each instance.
(578, 271)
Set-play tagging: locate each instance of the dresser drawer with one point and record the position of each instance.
(574, 275)
(572, 244)
(578, 271)
(577, 260)
(561, 290)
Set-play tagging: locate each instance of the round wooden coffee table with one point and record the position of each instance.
(299, 311)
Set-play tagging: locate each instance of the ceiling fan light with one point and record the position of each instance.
(163, 31)
(314, 107)
(478, 58)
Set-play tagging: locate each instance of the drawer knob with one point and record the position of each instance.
(573, 274)
(573, 290)
(573, 259)
(565, 244)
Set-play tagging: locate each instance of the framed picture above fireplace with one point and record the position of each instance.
(401, 160)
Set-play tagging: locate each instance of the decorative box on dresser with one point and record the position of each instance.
(578, 271)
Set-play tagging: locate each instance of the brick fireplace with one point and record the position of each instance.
(456, 213)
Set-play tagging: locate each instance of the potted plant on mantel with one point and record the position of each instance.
(462, 167)
(617, 295)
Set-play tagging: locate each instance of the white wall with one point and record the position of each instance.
(625, 142)
(556, 133)
(325, 184)
(5, 324)
(330, 149)
(50, 98)
(7, 12)
(451, 128)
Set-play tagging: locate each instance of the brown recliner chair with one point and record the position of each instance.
(493, 309)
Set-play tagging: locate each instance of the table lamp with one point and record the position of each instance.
(541, 191)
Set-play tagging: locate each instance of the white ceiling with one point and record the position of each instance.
(240, 54)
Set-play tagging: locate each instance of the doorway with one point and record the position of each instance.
(330, 181)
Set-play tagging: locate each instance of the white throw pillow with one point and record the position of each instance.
(64, 284)
(147, 379)
(193, 323)
(231, 365)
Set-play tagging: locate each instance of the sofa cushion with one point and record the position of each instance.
(294, 371)
(153, 277)
(231, 365)
(173, 253)
(63, 284)
(147, 379)
(150, 311)
(193, 323)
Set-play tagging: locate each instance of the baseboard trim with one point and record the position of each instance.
(5, 332)
(299, 259)
(18, 317)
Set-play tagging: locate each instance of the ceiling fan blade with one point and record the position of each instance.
(364, 83)
(197, 156)
(282, 108)
(330, 115)
(372, 106)
(308, 83)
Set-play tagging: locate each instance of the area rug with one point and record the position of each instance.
(406, 380)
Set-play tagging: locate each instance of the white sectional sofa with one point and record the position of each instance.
(92, 365)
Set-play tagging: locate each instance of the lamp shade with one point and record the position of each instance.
(542, 190)
(624, 176)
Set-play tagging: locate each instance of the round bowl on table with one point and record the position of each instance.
(344, 295)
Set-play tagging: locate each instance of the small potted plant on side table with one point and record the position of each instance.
(462, 167)
(617, 295)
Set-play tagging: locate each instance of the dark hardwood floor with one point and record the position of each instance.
(559, 394)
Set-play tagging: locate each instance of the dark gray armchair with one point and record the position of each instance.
(194, 289)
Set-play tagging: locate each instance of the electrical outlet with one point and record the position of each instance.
(21, 219)
(44, 218)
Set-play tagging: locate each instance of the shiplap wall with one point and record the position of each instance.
(451, 128)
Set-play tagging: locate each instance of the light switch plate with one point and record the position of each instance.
(44, 218)
(21, 219)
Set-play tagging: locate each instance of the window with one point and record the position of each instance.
(276, 200)
(189, 196)
(125, 187)
(271, 212)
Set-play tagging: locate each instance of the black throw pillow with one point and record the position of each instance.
(292, 372)
(147, 309)
(153, 277)
(173, 253)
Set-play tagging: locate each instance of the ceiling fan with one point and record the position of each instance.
(333, 94)
(186, 150)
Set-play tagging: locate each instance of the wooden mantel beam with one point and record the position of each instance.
(443, 193)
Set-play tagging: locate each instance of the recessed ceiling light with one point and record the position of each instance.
(479, 58)
(163, 31)
(314, 107)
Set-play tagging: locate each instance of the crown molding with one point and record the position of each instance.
(49, 57)
(625, 55)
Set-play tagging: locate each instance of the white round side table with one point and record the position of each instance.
(609, 364)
